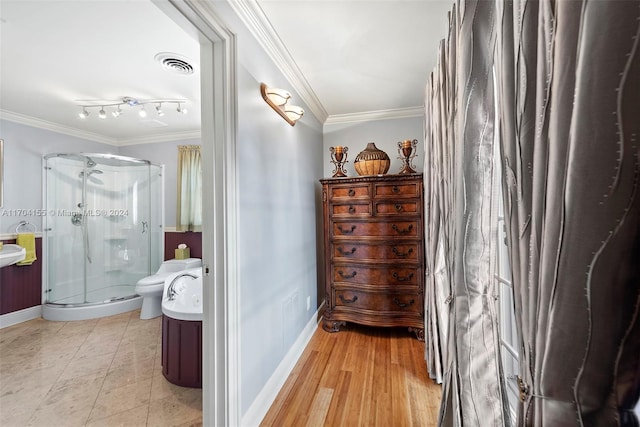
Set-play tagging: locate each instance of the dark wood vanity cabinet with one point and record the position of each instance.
(374, 251)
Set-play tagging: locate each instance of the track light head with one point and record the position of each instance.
(83, 114)
(102, 114)
(180, 109)
(116, 113)
(142, 112)
(159, 109)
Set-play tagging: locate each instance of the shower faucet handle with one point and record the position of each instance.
(145, 226)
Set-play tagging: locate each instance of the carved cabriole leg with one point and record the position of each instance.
(419, 333)
(332, 325)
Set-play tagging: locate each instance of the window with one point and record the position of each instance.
(503, 282)
(189, 209)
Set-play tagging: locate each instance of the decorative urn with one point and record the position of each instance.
(372, 161)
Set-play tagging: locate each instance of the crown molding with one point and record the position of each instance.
(398, 113)
(66, 130)
(54, 127)
(253, 17)
(167, 137)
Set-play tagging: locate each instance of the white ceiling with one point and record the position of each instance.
(349, 58)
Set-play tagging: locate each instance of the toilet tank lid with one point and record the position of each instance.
(187, 261)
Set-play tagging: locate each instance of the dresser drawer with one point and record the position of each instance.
(387, 302)
(386, 229)
(397, 207)
(350, 209)
(395, 275)
(396, 190)
(350, 191)
(347, 251)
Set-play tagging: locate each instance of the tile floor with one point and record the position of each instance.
(101, 372)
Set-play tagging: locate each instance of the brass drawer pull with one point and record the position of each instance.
(405, 231)
(351, 192)
(346, 253)
(398, 207)
(348, 301)
(352, 209)
(395, 189)
(347, 276)
(403, 279)
(402, 254)
(402, 304)
(343, 231)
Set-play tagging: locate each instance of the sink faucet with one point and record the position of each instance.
(171, 290)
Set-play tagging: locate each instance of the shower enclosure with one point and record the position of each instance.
(103, 232)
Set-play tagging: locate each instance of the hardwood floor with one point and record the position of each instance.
(360, 376)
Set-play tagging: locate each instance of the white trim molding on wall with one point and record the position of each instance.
(221, 326)
(20, 316)
(260, 406)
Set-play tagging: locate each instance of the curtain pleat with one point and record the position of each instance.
(189, 207)
(569, 90)
(461, 213)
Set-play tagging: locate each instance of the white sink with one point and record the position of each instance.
(10, 254)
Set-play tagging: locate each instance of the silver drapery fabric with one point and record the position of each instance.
(461, 213)
(569, 91)
(438, 185)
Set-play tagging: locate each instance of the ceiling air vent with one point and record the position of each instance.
(175, 63)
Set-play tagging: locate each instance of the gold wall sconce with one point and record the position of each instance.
(278, 99)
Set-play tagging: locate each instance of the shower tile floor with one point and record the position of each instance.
(100, 372)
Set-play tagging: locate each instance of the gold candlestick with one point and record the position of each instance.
(407, 154)
(339, 158)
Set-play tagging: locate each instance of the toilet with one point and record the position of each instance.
(151, 287)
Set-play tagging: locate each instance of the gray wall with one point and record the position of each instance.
(163, 153)
(279, 168)
(24, 147)
(385, 134)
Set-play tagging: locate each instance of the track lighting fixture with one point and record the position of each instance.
(131, 102)
(278, 99)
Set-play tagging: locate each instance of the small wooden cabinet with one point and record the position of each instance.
(374, 251)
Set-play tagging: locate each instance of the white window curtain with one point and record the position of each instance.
(189, 209)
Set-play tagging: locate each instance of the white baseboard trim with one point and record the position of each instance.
(260, 406)
(20, 316)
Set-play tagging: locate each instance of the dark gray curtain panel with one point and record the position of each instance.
(461, 211)
(569, 88)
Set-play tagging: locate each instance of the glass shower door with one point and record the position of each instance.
(65, 273)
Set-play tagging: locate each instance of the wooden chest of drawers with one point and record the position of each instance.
(374, 251)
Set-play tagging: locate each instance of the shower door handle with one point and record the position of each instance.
(144, 226)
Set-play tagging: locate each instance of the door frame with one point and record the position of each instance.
(221, 326)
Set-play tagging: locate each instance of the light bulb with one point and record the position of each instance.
(142, 112)
(102, 114)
